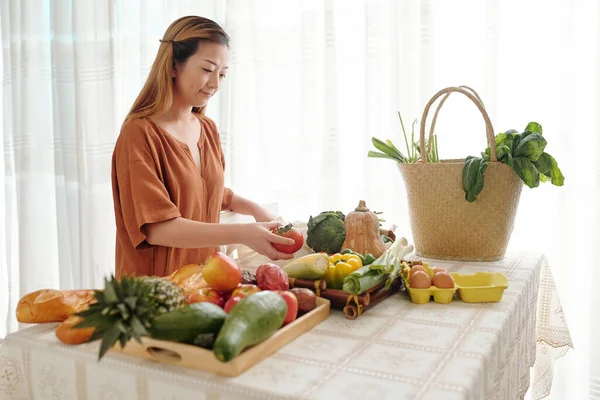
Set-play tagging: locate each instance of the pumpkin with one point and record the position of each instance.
(362, 232)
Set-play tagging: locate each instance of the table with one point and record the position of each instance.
(396, 350)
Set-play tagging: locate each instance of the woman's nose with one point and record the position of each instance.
(213, 83)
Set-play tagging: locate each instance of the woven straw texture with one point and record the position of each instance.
(446, 226)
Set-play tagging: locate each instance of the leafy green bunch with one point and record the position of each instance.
(388, 150)
(523, 152)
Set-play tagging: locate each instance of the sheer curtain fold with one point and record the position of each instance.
(310, 83)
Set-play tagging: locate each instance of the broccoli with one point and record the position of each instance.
(326, 232)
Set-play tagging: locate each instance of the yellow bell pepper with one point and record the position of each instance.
(340, 266)
(335, 258)
(353, 260)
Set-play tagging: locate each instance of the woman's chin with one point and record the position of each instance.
(200, 104)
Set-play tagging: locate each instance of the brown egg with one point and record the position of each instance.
(438, 269)
(443, 280)
(420, 280)
(416, 268)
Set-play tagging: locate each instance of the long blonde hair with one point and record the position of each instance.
(179, 42)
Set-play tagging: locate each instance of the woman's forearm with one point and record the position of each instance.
(244, 206)
(188, 234)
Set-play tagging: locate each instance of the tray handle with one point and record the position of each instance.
(163, 355)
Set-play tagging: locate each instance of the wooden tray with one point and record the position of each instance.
(202, 359)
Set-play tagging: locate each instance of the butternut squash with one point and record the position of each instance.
(362, 231)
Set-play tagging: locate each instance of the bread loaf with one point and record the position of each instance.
(189, 278)
(48, 305)
(69, 335)
(184, 272)
(192, 283)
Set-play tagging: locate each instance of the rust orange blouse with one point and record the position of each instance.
(155, 179)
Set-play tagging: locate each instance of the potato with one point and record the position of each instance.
(307, 300)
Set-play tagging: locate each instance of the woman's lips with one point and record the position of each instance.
(206, 94)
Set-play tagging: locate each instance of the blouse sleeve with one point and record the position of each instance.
(142, 196)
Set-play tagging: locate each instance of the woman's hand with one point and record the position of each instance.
(258, 237)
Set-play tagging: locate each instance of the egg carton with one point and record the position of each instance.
(481, 287)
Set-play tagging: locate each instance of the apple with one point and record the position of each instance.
(292, 305)
(206, 294)
(221, 272)
(245, 289)
(233, 300)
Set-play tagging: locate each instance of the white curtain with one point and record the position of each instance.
(71, 70)
(310, 82)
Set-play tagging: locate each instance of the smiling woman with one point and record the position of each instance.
(168, 164)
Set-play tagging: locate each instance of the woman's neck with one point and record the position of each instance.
(177, 113)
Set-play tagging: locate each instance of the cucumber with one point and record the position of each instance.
(184, 324)
(312, 266)
(252, 320)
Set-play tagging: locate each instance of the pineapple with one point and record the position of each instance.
(126, 307)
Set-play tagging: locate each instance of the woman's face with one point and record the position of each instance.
(199, 77)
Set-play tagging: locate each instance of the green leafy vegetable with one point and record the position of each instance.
(388, 150)
(523, 152)
(384, 269)
(558, 178)
(527, 171)
(472, 177)
(534, 127)
(543, 166)
(531, 146)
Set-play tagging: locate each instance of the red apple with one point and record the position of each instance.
(244, 290)
(221, 272)
(206, 294)
(292, 305)
(233, 300)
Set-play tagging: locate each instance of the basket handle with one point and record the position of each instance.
(439, 107)
(474, 97)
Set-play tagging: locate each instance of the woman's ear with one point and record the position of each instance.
(174, 69)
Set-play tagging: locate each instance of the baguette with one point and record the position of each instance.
(69, 335)
(48, 305)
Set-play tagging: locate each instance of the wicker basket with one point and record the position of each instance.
(443, 223)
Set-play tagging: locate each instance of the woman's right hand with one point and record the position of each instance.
(258, 237)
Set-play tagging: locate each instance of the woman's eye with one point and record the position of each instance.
(207, 70)
(222, 76)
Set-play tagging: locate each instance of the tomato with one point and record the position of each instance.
(292, 305)
(289, 231)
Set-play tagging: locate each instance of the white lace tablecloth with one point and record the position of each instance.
(396, 350)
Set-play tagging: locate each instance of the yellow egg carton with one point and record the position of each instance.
(422, 296)
(480, 287)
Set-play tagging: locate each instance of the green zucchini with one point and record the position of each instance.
(252, 320)
(184, 324)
